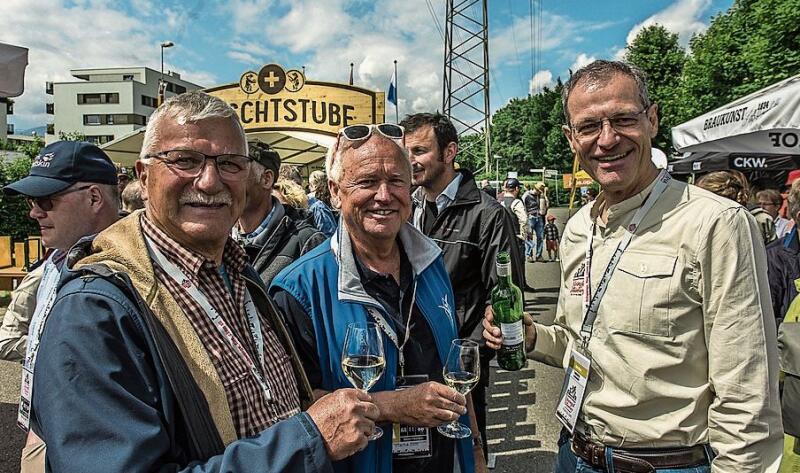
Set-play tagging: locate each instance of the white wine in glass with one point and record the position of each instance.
(363, 361)
(461, 372)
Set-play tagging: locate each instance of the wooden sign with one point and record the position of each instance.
(273, 99)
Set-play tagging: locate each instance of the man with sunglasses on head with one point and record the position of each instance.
(664, 322)
(378, 268)
(272, 234)
(162, 351)
(470, 227)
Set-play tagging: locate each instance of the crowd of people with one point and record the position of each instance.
(203, 330)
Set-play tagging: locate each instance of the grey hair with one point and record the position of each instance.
(794, 200)
(333, 159)
(190, 107)
(597, 73)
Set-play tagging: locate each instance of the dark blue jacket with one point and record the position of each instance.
(103, 401)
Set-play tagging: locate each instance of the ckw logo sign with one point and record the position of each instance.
(749, 163)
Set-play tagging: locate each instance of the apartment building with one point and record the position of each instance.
(104, 104)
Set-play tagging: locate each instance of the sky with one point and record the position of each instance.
(217, 40)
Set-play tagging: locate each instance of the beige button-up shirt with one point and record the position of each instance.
(684, 346)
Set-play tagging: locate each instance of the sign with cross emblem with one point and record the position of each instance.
(274, 99)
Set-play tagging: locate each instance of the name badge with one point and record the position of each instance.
(573, 390)
(410, 442)
(25, 398)
(576, 289)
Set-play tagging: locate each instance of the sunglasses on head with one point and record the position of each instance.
(46, 203)
(362, 132)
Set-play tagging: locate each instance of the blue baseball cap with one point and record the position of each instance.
(61, 165)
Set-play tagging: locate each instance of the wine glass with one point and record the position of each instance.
(362, 359)
(461, 372)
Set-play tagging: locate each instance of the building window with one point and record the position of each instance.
(94, 99)
(51, 129)
(148, 101)
(10, 129)
(127, 76)
(175, 88)
(92, 120)
(50, 108)
(99, 139)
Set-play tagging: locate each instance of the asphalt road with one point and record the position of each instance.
(521, 426)
(522, 430)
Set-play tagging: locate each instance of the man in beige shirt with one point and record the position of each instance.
(683, 371)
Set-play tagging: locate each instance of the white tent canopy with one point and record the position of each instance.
(13, 60)
(766, 121)
(294, 147)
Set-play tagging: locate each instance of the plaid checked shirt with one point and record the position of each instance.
(249, 407)
(550, 231)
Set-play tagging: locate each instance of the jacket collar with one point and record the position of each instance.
(350, 287)
(467, 193)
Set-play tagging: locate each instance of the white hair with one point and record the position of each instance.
(190, 107)
(333, 159)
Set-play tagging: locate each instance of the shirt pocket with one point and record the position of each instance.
(646, 282)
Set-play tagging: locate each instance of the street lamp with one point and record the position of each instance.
(164, 45)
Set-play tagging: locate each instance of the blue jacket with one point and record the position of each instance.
(311, 280)
(102, 400)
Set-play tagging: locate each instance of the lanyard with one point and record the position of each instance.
(45, 297)
(254, 323)
(381, 322)
(591, 303)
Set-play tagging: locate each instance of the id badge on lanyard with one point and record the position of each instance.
(48, 288)
(573, 390)
(410, 442)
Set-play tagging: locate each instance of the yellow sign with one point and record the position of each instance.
(582, 179)
(274, 100)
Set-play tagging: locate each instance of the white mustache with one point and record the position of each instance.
(192, 197)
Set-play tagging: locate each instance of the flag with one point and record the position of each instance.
(392, 97)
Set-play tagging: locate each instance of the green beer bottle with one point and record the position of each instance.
(507, 306)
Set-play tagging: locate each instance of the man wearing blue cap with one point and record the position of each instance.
(72, 193)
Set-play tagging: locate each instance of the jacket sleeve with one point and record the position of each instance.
(14, 331)
(744, 419)
(99, 400)
(777, 282)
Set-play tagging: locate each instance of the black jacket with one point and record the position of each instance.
(783, 267)
(470, 232)
(289, 235)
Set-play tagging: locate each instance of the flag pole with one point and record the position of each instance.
(351, 73)
(396, 105)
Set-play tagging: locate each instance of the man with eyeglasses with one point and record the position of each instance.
(470, 227)
(664, 322)
(378, 268)
(272, 234)
(162, 351)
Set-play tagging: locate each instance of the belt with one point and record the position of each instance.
(638, 460)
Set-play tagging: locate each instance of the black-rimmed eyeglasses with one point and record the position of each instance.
(190, 164)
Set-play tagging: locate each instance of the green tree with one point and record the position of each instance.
(14, 219)
(773, 49)
(71, 136)
(471, 152)
(656, 52)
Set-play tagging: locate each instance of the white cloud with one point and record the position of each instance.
(681, 17)
(582, 60)
(540, 80)
(330, 34)
(58, 40)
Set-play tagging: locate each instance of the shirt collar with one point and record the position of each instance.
(257, 235)
(620, 209)
(233, 256)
